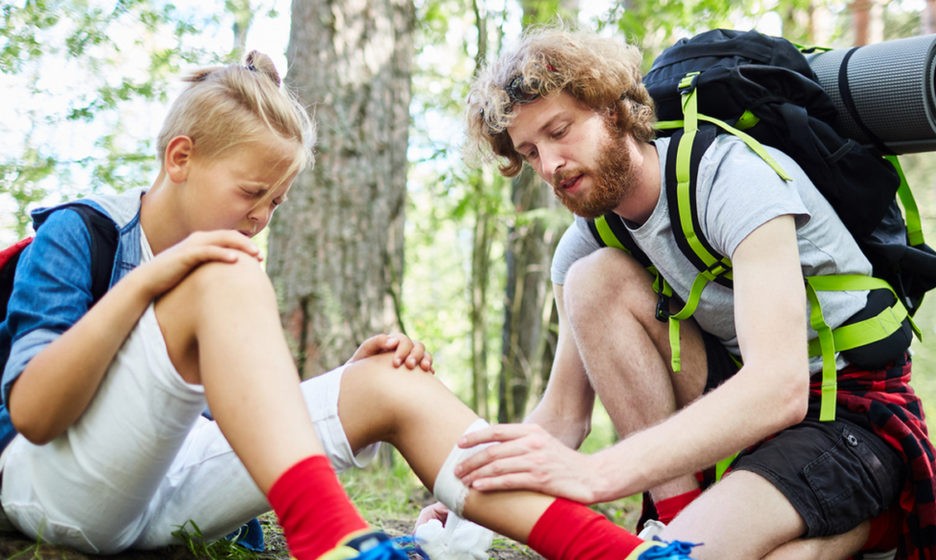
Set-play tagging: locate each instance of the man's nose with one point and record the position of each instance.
(551, 161)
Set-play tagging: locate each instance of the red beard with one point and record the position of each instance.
(612, 180)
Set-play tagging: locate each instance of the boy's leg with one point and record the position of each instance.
(97, 487)
(414, 411)
(91, 487)
(420, 417)
(223, 331)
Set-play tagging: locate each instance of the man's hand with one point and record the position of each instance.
(406, 351)
(528, 458)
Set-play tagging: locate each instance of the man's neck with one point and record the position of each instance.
(646, 193)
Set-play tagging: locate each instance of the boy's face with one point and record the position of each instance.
(240, 189)
(571, 147)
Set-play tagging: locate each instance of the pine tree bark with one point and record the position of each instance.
(336, 247)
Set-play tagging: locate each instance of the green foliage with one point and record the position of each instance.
(195, 543)
(94, 74)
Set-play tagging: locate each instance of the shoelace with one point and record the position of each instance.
(675, 550)
(393, 549)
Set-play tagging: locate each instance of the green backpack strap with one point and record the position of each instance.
(609, 230)
(689, 142)
(910, 208)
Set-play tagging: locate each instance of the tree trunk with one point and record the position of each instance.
(336, 248)
(867, 21)
(929, 17)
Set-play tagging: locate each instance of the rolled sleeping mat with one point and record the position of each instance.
(885, 92)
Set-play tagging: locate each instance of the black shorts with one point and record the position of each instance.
(835, 474)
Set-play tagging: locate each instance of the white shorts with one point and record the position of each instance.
(142, 461)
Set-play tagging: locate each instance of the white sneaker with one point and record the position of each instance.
(652, 528)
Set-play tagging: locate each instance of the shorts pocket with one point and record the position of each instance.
(851, 483)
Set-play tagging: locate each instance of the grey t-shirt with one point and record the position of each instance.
(737, 192)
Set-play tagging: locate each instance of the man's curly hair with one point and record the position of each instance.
(601, 73)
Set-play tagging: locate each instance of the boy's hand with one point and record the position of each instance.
(171, 266)
(406, 351)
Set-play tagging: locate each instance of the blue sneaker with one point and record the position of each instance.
(675, 550)
(376, 545)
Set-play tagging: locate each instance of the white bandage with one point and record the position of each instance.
(448, 488)
(459, 539)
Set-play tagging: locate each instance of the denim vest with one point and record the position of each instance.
(52, 289)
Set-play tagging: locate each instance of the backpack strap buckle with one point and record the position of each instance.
(688, 83)
(662, 313)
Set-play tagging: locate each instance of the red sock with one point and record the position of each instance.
(570, 531)
(883, 532)
(313, 508)
(670, 507)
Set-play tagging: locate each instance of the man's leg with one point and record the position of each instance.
(823, 548)
(626, 351)
(819, 481)
(745, 517)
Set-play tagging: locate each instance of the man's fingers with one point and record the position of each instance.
(497, 433)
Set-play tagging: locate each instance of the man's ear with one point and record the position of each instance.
(178, 158)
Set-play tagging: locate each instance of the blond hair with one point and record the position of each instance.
(226, 106)
(601, 73)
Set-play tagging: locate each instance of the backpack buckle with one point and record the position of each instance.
(688, 83)
(662, 313)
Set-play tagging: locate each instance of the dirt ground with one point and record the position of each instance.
(16, 546)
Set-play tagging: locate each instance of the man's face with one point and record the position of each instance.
(573, 149)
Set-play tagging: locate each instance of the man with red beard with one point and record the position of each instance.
(572, 106)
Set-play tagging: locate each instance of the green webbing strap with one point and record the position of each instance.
(753, 144)
(911, 211)
(746, 120)
(660, 285)
(692, 303)
(869, 330)
(604, 230)
(846, 337)
(750, 141)
(827, 343)
(723, 465)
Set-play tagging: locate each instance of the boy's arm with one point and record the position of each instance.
(64, 370)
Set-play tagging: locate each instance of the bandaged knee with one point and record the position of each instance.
(448, 488)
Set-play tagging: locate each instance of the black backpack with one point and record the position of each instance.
(103, 248)
(763, 90)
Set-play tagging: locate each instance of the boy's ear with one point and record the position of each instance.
(178, 158)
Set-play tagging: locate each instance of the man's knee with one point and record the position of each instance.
(607, 278)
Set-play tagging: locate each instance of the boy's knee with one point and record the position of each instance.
(389, 385)
(217, 279)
